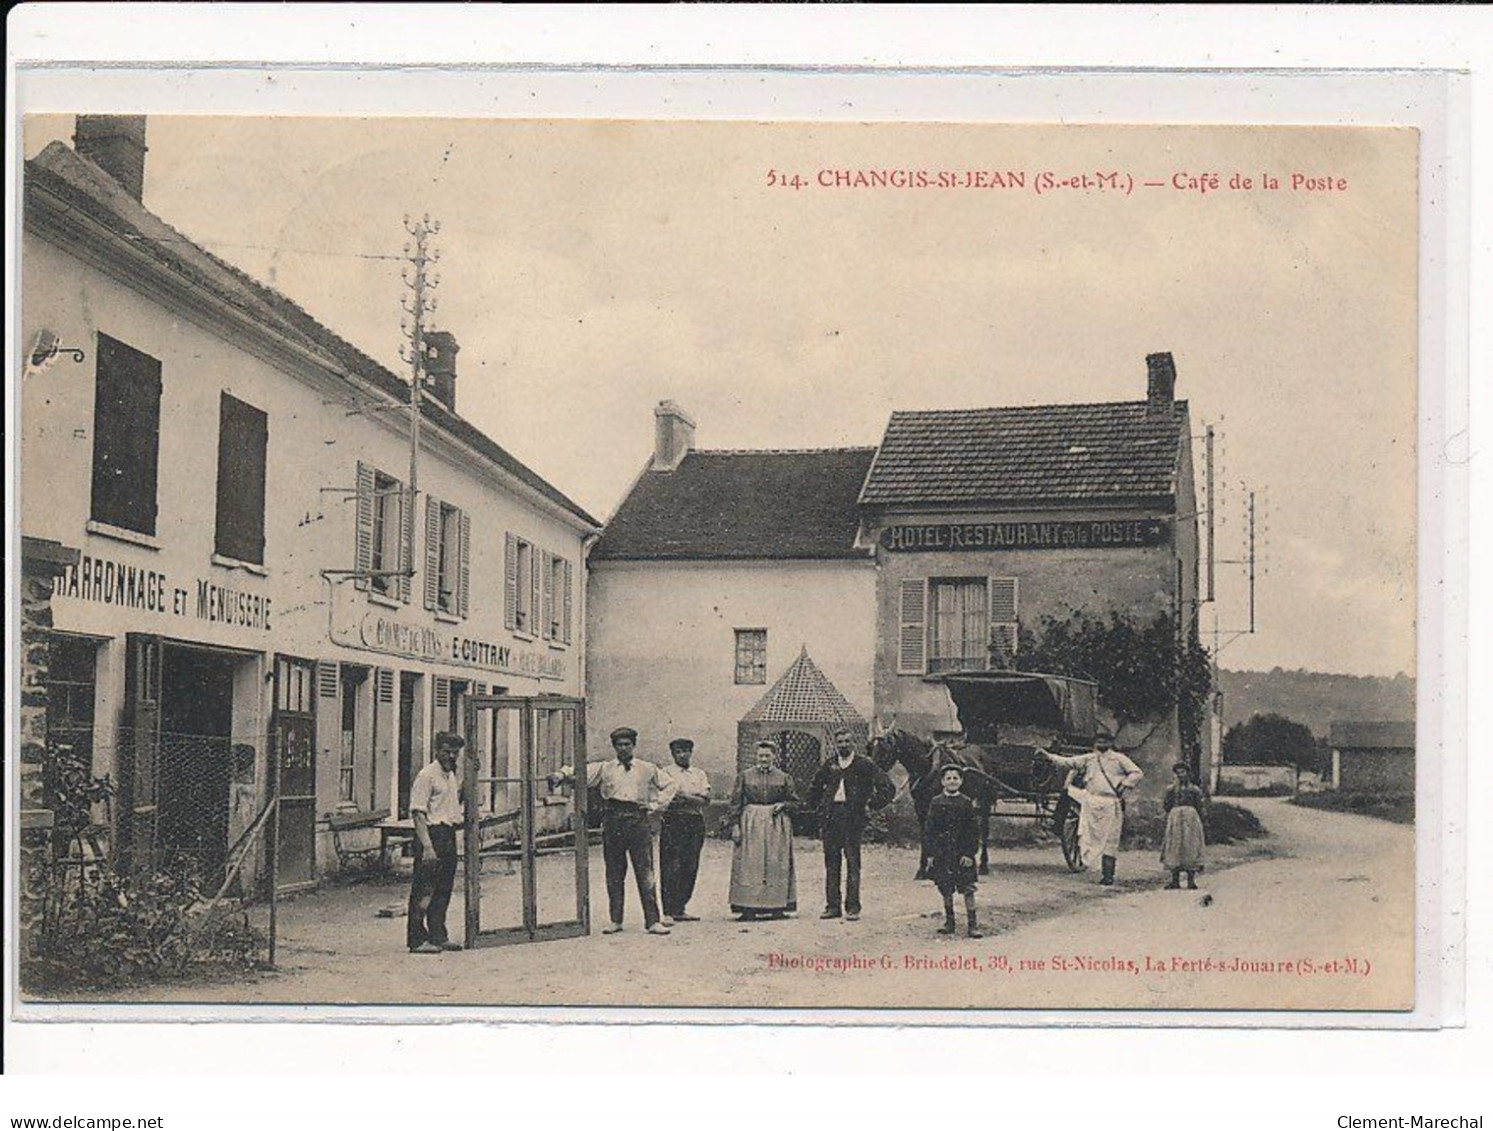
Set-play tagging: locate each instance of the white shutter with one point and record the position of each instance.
(1003, 622)
(432, 552)
(565, 621)
(383, 735)
(406, 542)
(363, 550)
(510, 583)
(912, 638)
(464, 563)
(547, 582)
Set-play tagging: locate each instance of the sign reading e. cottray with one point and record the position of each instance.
(1093, 534)
(422, 642)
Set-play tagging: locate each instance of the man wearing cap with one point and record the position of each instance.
(435, 806)
(681, 833)
(843, 787)
(630, 793)
(1107, 774)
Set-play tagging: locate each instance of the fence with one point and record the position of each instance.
(162, 865)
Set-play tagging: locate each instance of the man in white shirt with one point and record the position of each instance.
(681, 831)
(1107, 774)
(631, 792)
(435, 805)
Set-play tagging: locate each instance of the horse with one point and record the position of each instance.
(924, 762)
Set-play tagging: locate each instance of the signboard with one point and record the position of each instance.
(1094, 534)
(380, 633)
(121, 584)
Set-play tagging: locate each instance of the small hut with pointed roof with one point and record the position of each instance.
(801, 713)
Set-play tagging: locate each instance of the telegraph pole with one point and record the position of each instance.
(419, 302)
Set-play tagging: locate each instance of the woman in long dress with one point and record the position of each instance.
(762, 880)
(1182, 846)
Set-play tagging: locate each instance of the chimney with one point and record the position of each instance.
(116, 144)
(440, 366)
(1161, 382)
(674, 436)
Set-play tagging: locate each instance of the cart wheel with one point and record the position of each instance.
(1068, 835)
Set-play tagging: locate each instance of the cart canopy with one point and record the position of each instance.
(987, 701)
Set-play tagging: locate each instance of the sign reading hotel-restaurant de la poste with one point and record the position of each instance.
(1097, 534)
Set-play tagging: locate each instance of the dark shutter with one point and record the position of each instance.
(126, 436)
(243, 439)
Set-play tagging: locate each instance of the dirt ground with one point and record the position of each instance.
(1319, 915)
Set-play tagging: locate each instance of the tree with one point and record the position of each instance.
(1271, 740)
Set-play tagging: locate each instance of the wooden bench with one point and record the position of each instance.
(347, 822)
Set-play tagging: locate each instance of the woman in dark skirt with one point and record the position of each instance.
(762, 879)
(1182, 847)
(951, 834)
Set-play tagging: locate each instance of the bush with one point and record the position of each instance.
(106, 930)
(1231, 790)
(1224, 823)
(1396, 807)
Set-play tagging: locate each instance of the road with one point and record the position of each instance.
(1318, 916)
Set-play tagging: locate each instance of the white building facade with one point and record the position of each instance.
(256, 579)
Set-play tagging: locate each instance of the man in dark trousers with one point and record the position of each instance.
(843, 788)
(681, 833)
(435, 805)
(631, 793)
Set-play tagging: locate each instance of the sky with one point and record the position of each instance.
(593, 268)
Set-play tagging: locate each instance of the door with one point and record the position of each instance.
(293, 746)
(140, 752)
(525, 843)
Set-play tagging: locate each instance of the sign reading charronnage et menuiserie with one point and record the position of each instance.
(1090, 534)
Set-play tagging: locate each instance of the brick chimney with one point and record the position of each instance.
(674, 436)
(440, 366)
(116, 144)
(1161, 382)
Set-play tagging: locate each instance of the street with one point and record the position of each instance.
(1317, 916)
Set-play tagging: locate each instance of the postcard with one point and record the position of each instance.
(956, 567)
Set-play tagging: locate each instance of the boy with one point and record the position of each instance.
(951, 832)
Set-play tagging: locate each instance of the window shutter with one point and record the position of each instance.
(1003, 605)
(383, 730)
(912, 641)
(565, 621)
(510, 583)
(363, 555)
(432, 552)
(442, 692)
(406, 541)
(126, 436)
(326, 680)
(464, 569)
(243, 437)
(547, 575)
(536, 592)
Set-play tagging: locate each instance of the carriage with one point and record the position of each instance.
(1004, 718)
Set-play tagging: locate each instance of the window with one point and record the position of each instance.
(384, 534)
(751, 655)
(126, 437)
(448, 536)
(243, 439)
(950, 624)
(521, 585)
(556, 609)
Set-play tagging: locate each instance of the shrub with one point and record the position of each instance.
(1396, 807)
(109, 930)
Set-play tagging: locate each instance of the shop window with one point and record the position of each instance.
(448, 536)
(126, 437)
(243, 440)
(751, 655)
(522, 586)
(556, 611)
(384, 534)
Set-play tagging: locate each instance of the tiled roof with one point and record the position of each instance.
(731, 505)
(1354, 735)
(1079, 453)
(82, 185)
(804, 694)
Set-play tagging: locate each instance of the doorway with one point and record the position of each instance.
(195, 763)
